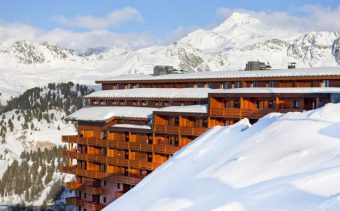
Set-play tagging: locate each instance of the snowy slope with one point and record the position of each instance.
(241, 37)
(283, 162)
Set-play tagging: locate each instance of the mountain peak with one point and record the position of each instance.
(237, 19)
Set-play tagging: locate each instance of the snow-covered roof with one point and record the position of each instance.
(232, 74)
(131, 126)
(147, 93)
(186, 109)
(104, 113)
(279, 90)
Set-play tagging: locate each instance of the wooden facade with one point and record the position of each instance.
(111, 160)
(228, 83)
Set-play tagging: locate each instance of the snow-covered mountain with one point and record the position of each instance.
(32, 121)
(282, 162)
(240, 38)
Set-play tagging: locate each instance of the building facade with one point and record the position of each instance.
(137, 123)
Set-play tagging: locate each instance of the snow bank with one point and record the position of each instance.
(283, 162)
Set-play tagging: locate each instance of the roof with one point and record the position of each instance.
(279, 90)
(233, 74)
(105, 113)
(153, 93)
(186, 109)
(148, 127)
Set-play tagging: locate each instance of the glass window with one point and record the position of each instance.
(296, 104)
(236, 104)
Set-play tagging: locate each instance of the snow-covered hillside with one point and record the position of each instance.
(35, 120)
(283, 162)
(241, 37)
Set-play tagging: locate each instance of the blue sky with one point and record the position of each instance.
(158, 15)
(155, 19)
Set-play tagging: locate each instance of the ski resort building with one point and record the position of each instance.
(136, 123)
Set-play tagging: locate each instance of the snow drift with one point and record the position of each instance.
(283, 162)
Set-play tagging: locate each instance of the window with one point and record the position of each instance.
(271, 104)
(296, 104)
(271, 83)
(226, 85)
(118, 185)
(227, 104)
(84, 195)
(205, 123)
(104, 183)
(254, 84)
(237, 84)
(210, 85)
(199, 85)
(325, 83)
(104, 199)
(258, 104)
(176, 121)
(103, 135)
(236, 104)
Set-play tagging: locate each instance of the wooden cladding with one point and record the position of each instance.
(246, 113)
(100, 175)
(121, 144)
(192, 131)
(138, 164)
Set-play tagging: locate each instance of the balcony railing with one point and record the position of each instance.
(75, 185)
(82, 156)
(73, 201)
(166, 149)
(168, 129)
(130, 180)
(247, 113)
(93, 190)
(118, 194)
(132, 163)
(124, 179)
(85, 204)
(83, 172)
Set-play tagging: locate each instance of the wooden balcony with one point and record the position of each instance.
(124, 179)
(74, 201)
(226, 112)
(82, 156)
(93, 190)
(130, 180)
(132, 163)
(75, 185)
(118, 194)
(127, 145)
(93, 206)
(83, 172)
(246, 113)
(182, 130)
(69, 139)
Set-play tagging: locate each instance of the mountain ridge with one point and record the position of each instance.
(240, 38)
